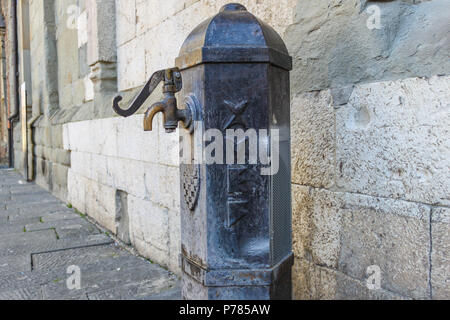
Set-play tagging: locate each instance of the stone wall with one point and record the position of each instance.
(370, 121)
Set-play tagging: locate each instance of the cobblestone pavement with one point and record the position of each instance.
(40, 238)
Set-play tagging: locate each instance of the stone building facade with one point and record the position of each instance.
(370, 130)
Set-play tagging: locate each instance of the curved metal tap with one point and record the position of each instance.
(171, 114)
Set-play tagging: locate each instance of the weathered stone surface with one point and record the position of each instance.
(138, 282)
(31, 293)
(68, 228)
(392, 235)
(440, 260)
(33, 210)
(312, 282)
(93, 199)
(131, 61)
(27, 237)
(53, 244)
(16, 263)
(101, 31)
(149, 225)
(316, 225)
(391, 140)
(59, 216)
(313, 139)
(173, 20)
(70, 257)
(126, 21)
(350, 232)
(333, 45)
(145, 290)
(5, 229)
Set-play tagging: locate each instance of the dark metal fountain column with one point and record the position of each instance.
(236, 222)
(233, 74)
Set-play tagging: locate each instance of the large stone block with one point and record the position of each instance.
(440, 260)
(312, 282)
(277, 13)
(101, 31)
(350, 233)
(173, 20)
(175, 240)
(126, 175)
(131, 64)
(317, 225)
(148, 17)
(76, 190)
(391, 140)
(175, 28)
(93, 199)
(149, 227)
(313, 139)
(335, 43)
(135, 143)
(393, 235)
(93, 136)
(59, 181)
(126, 20)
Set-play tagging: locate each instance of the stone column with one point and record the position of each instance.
(102, 52)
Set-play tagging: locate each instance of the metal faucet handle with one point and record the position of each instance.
(168, 107)
(170, 76)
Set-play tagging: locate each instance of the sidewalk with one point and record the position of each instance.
(40, 238)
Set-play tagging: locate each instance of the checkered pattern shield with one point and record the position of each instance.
(191, 185)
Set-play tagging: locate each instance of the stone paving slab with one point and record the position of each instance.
(137, 282)
(7, 229)
(16, 263)
(29, 293)
(55, 245)
(23, 221)
(141, 291)
(43, 277)
(77, 223)
(26, 238)
(40, 238)
(43, 209)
